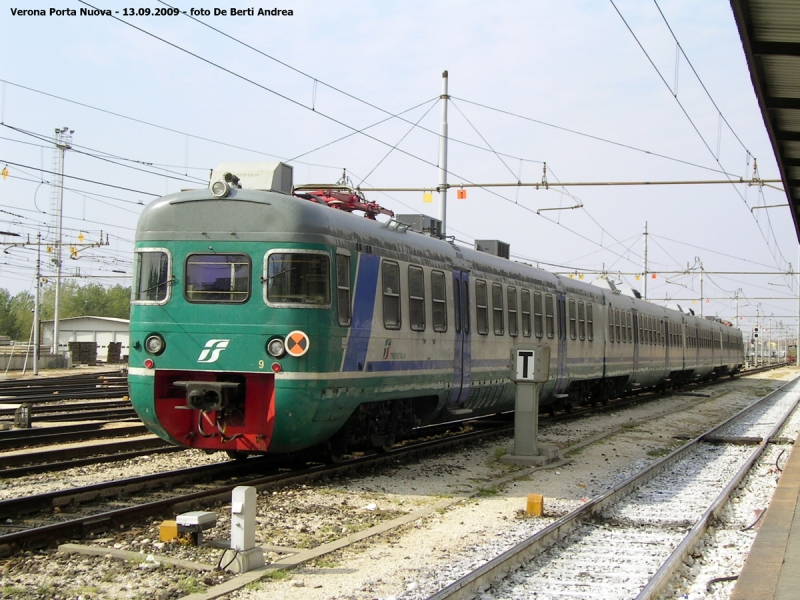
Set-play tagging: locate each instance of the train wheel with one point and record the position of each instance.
(336, 452)
(567, 406)
(236, 455)
(388, 444)
(551, 409)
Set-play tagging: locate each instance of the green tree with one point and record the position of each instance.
(21, 307)
(6, 317)
(16, 312)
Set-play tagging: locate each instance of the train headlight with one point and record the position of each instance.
(155, 344)
(220, 189)
(275, 347)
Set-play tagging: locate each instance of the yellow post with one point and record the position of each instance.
(535, 505)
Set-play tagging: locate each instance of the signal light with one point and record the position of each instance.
(276, 367)
(149, 363)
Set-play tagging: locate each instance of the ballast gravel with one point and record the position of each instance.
(482, 520)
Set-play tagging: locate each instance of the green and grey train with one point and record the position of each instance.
(264, 320)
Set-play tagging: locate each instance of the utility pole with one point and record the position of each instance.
(36, 302)
(769, 341)
(757, 342)
(702, 299)
(443, 157)
(645, 260)
(63, 141)
(797, 341)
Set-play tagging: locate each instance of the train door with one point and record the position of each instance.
(635, 343)
(561, 316)
(462, 355)
(665, 333)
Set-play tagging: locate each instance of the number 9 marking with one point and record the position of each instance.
(261, 364)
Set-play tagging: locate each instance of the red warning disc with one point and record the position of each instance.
(297, 343)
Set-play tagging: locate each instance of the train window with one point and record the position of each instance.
(610, 324)
(526, 312)
(629, 318)
(343, 289)
(481, 307)
(416, 298)
(617, 325)
(589, 322)
(218, 278)
(297, 278)
(497, 308)
(152, 277)
(573, 320)
(538, 319)
(624, 329)
(581, 320)
(511, 293)
(640, 327)
(391, 294)
(549, 315)
(439, 301)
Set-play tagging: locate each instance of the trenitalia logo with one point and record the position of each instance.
(212, 350)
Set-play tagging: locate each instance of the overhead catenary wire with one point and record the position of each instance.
(700, 80)
(111, 185)
(161, 127)
(316, 81)
(591, 136)
(108, 158)
(300, 104)
(385, 156)
(692, 123)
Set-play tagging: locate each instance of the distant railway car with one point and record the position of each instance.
(264, 321)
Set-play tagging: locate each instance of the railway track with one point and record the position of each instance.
(652, 520)
(111, 384)
(37, 521)
(61, 459)
(81, 510)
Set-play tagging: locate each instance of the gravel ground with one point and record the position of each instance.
(410, 562)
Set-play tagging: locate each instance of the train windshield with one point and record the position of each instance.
(218, 278)
(151, 276)
(294, 278)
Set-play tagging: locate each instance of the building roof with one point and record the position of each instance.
(109, 319)
(770, 32)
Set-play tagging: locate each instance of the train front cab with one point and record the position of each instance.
(216, 350)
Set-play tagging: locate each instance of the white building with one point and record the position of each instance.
(100, 330)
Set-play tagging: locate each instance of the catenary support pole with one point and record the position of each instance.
(36, 302)
(443, 157)
(645, 260)
(63, 143)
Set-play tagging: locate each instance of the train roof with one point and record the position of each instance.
(257, 215)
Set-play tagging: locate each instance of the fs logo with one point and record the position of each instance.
(387, 348)
(212, 350)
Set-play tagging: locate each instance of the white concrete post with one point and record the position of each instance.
(243, 518)
(243, 531)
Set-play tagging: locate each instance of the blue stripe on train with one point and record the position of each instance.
(363, 307)
(409, 365)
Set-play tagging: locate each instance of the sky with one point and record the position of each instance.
(572, 91)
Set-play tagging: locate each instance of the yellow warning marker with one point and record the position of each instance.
(535, 505)
(168, 531)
